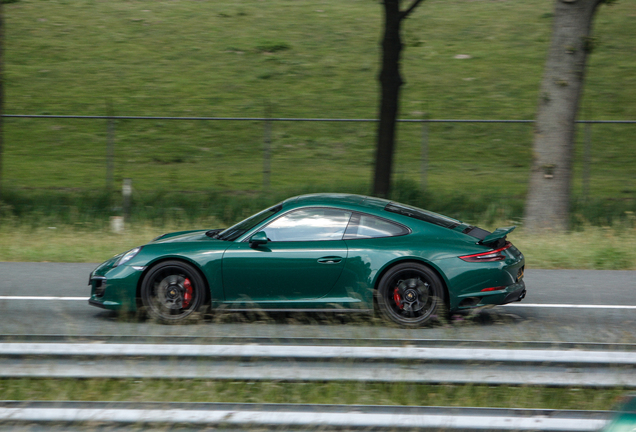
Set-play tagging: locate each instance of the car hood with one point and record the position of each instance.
(104, 267)
(182, 236)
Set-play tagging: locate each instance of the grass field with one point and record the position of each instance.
(310, 393)
(314, 58)
(591, 248)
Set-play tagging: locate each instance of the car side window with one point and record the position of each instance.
(313, 224)
(367, 226)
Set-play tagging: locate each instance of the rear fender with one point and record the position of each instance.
(432, 266)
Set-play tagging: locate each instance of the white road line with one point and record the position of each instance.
(575, 306)
(532, 305)
(43, 298)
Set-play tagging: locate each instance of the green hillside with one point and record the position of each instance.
(302, 59)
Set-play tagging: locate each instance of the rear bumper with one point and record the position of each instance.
(516, 296)
(512, 293)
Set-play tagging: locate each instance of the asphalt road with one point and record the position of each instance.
(561, 306)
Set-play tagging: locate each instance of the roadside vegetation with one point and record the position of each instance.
(61, 227)
(348, 393)
(75, 228)
(602, 248)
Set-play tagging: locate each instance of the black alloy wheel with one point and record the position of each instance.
(172, 291)
(410, 295)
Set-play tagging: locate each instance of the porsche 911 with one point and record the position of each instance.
(319, 253)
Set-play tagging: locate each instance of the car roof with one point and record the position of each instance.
(371, 205)
(338, 199)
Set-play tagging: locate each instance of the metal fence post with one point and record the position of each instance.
(110, 148)
(586, 160)
(126, 191)
(267, 148)
(424, 153)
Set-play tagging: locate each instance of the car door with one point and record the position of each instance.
(302, 259)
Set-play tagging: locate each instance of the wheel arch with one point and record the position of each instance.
(149, 266)
(428, 264)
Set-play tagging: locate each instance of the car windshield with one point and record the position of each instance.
(234, 232)
(425, 215)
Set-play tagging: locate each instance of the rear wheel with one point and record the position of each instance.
(172, 291)
(410, 295)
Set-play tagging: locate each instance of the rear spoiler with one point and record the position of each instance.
(499, 234)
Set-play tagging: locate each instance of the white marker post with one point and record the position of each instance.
(126, 191)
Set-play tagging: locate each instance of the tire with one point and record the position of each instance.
(410, 295)
(172, 291)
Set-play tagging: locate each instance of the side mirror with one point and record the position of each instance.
(259, 238)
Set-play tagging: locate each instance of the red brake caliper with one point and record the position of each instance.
(187, 298)
(397, 298)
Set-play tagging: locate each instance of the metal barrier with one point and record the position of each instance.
(425, 364)
(16, 415)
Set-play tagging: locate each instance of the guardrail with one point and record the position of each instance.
(426, 364)
(14, 415)
(321, 340)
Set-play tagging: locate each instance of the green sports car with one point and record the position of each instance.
(318, 253)
(624, 419)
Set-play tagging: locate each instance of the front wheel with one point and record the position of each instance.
(410, 295)
(172, 291)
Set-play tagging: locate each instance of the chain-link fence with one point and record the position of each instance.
(254, 153)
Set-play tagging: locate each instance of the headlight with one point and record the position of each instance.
(127, 256)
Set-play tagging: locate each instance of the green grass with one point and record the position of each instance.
(601, 248)
(295, 59)
(62, 226)
(309, 393)
(593, 248)
(302, 59)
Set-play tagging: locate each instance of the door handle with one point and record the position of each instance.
(330, 260)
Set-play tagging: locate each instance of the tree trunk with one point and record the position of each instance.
(390, 83)
(548, 200)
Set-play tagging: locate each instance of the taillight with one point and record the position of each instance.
(499, 288)
(490, 256)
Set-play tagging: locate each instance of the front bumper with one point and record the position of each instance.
(116, 289)
(104, 305)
